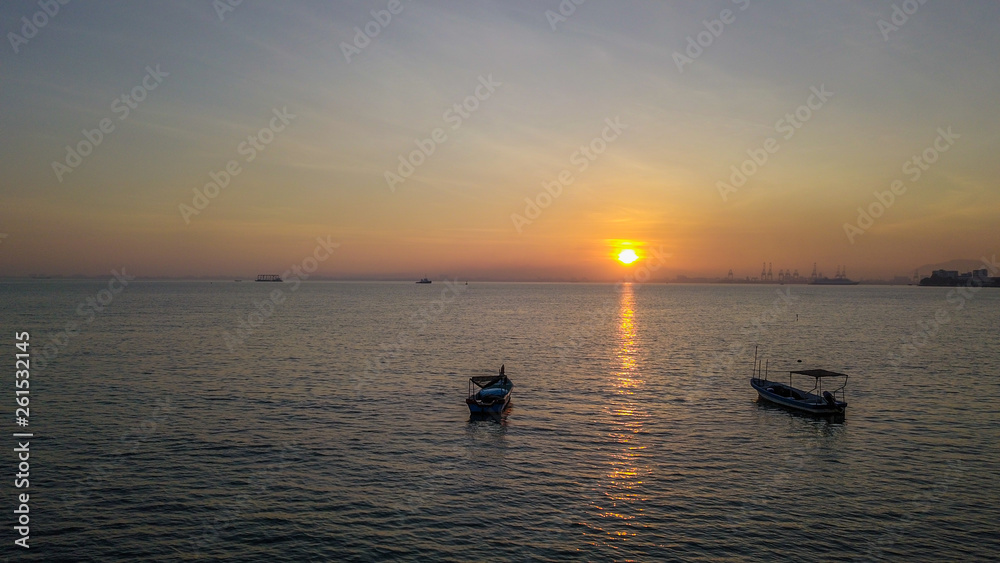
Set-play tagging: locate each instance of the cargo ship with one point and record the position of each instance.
(839, 279)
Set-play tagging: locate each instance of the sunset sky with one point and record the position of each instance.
(502, 96)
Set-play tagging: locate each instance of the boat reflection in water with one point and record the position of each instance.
(622, 499)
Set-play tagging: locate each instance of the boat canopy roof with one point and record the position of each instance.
(486, 380)
(819, 373)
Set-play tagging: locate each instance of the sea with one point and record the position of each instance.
(326, 421)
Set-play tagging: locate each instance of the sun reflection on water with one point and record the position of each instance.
(622, 501)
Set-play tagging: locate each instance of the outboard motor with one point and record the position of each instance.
(830, 399)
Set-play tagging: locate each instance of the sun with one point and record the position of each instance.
(627, 256)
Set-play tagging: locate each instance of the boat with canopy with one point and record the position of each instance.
(826, 397)
(489, 394)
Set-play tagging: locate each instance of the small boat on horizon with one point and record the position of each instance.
(269, 278)
(489, 394)
(815, 401)
(424, 280)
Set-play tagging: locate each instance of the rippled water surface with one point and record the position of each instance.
(336, 429)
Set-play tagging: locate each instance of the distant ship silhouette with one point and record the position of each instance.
(839, 279)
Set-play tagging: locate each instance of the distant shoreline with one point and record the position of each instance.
(471, 281)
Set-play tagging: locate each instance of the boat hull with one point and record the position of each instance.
(811, 404)
(483, 407)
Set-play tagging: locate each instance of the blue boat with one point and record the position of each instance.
(816, 401)
(489, 394)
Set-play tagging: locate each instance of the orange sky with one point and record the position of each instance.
(821, 107)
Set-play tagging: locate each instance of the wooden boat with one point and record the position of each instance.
(817, 401)
(489, 394)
